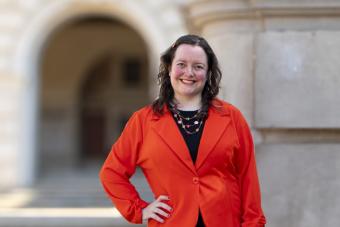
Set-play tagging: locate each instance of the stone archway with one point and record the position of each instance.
(50, 18)
(93, 76)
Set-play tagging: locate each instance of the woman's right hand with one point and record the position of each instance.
(156, 209)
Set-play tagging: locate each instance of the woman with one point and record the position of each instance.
(195, 150)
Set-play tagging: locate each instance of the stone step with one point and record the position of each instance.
(65, 198)
(68, 189)
(62, 217)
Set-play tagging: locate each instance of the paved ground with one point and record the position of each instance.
(71, 197)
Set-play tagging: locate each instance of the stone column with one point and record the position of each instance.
(231, 28)
(9, 132)
(280, 61)
(13, 108)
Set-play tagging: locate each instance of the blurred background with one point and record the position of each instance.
(73, 71)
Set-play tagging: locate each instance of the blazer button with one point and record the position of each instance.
(195, 180)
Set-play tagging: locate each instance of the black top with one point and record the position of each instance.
(192, 141)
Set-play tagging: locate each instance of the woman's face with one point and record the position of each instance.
(188, 72)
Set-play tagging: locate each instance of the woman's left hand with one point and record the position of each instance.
(156, 209)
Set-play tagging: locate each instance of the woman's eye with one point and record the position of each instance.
(180, 64)
(199, 67)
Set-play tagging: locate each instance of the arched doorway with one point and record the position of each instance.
(94, 75)
(155, 29)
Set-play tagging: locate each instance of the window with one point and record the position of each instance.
(132, 72)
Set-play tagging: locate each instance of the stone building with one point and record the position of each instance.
(72, 71)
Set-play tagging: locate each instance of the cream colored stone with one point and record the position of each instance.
(6, 41)
(8, 173)
(297, 82)
(234, 52)
(300, 184)
(284, 23)
(4, 63)
(294, 3)
(11, 19)
(223, 27)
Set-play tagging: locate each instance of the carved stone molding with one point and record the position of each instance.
(203, 12)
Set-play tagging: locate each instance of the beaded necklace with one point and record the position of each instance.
(190, 125)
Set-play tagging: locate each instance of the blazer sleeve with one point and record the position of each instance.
(251, 211)
(119, 166)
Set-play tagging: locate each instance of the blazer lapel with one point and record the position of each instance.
(214, 127)
(166, 128)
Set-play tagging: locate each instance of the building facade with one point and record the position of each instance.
(74, 67)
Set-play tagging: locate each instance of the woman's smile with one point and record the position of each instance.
(188, 71)
(187, 81)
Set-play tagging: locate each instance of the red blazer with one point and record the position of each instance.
(223, 183)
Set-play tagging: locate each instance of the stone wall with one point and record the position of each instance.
(280, 65)
(25, 27)
(11, 84)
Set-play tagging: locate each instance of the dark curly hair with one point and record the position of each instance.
(214, 74)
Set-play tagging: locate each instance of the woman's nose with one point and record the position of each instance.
(189, 71)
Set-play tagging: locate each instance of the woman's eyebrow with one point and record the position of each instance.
(182, 60)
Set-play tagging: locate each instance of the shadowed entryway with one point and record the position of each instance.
(93, 77)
